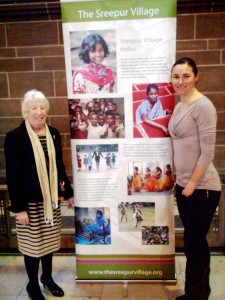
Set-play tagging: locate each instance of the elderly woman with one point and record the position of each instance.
(36, 180)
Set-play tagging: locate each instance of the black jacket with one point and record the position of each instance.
(21, 173)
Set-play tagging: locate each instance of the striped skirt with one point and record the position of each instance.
(38, 238)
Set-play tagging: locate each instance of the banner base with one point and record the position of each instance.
(169, 281)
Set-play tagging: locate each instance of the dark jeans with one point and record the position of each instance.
(196, 212)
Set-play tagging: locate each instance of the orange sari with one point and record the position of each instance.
(168, 184)
(137, 182)
(149, 184)
(158, 182)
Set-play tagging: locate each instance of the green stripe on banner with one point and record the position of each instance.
(124, 267)
(88, 11)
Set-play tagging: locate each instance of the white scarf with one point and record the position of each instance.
(49, 184)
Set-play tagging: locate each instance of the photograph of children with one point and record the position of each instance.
(153, 105)
(155, 235)
(97, 118)
(97, 158)
(145, 177)
(92, 225)
(132, 216)
(93, 61)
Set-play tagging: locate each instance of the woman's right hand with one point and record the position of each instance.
(22, 218)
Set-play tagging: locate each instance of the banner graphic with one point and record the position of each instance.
(118, 57)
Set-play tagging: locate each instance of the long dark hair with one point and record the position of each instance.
(158, 169)
(90, 42)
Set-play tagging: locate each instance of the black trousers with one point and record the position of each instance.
(196, 212)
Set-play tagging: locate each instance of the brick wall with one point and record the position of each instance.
(202, 37)
(32, 56)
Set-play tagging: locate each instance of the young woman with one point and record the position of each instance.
(158, 180)
(93, 77)
(198, 189)
(168, 184)
(149, 184)
(137, 181)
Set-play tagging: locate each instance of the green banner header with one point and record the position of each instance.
(111, 10)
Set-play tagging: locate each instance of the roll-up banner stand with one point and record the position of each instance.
(118, 57)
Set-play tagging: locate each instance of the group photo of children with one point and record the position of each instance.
(133, 215)
(97, 118)
(144, 177)
(93, 61)
(93, 225)
(96, 158)
(155, 235)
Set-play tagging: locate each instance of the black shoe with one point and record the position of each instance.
(35, 292)
(53, 287)
(203, 294)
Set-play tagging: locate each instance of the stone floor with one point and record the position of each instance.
(13, 280)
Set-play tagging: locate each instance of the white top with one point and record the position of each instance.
(95, 132)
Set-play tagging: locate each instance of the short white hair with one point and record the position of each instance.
(29, 97)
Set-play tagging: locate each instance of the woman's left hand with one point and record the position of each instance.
(189, 189)
(71, 202)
